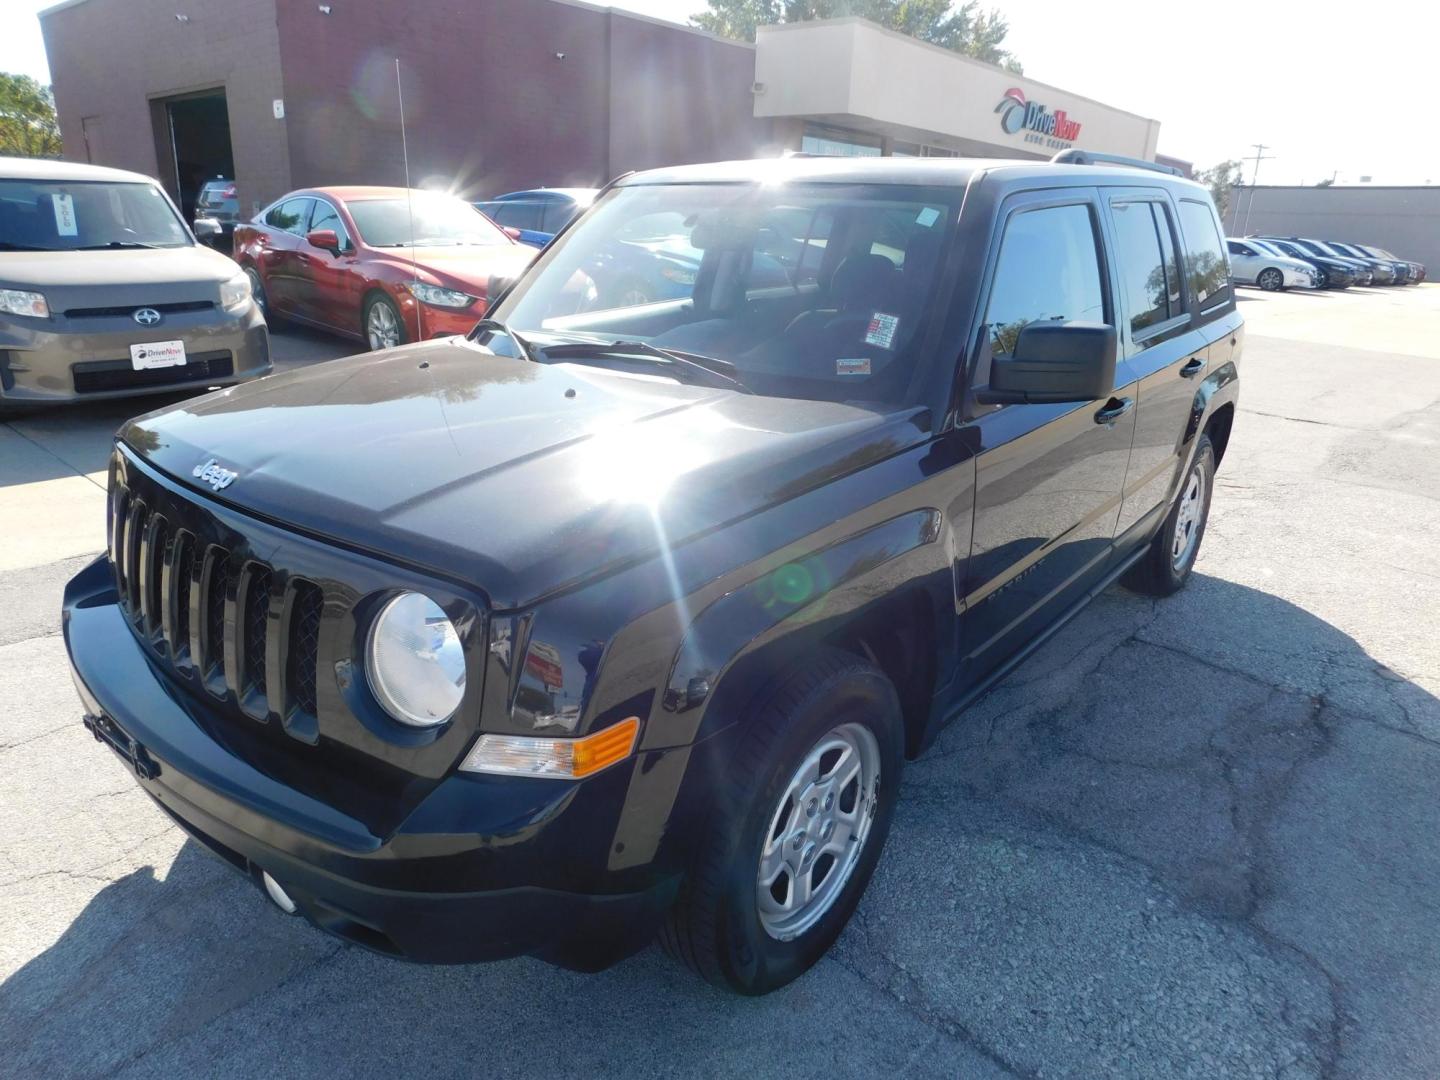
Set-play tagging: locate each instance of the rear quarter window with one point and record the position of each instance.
(1206, 265)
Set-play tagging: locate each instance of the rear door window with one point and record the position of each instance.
(1048, 271)
(1206, 266)
(1145, 258)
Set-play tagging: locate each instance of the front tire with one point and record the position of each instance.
(1165, 567)
(797, 828)
(262, 301)
(1270, 279)
(384, 328)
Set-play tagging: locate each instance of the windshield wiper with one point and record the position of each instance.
(495, 326)
(114, 245)
(7, 245)
(706, 370)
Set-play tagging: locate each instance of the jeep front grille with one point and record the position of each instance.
(246, 632)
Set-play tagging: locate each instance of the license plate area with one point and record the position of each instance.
(157, 354)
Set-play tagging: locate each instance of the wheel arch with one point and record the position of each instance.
(884, 595)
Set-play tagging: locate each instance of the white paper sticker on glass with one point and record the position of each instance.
(64, 207)
(881, 332)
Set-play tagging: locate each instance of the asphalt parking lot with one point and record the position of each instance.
(1194, 837)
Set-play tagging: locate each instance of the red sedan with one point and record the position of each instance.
(370, 263)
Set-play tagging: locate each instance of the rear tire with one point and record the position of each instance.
(1270, 279)
(1165, 567)
(791, 842)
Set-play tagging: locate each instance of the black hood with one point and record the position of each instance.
(518, 478)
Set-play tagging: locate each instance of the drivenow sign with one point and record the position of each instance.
(1053, 130)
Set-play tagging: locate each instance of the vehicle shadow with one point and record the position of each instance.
(1187, 836)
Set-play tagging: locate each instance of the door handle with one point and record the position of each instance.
(1193, 368)
(1113, 410)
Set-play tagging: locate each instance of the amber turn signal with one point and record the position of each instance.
(561, 759)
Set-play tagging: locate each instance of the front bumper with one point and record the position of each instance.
(1299, 279)
(55, 360)
(415, 894)
(426, 321)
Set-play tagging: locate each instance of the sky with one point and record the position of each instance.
(1218, 75)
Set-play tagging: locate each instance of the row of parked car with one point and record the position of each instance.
(1296, 262)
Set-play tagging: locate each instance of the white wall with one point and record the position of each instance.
(853, 68)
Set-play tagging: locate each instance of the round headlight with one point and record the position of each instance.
(415, 661)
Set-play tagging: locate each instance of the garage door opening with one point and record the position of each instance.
(197, 129)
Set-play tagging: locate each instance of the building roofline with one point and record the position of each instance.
(961, 57)
(637, 17)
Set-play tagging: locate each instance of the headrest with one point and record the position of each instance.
(862, 281)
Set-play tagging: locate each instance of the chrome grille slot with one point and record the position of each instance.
(175, 616)
(130, 556)
(153, 543)
(252, 627)
(303, 652)
(214, 584)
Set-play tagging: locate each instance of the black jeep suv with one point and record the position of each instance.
(607, 620)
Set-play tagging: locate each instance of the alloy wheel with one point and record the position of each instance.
(1270, 279)
(1188, 520)
(818, 830)
(381, 326)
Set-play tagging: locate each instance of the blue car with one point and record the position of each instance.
(536, 216)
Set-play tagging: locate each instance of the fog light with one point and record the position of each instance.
(277, 894)
(563, 759)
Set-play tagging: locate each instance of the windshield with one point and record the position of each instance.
(438, 221)
(1319, 249)
(67, 215)
(1263, 246)
(813, 291)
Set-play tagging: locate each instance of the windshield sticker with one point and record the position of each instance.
(64, 207)
(859, 365)
(881, 332)
(927, 217)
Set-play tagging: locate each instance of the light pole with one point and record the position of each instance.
(1260, 156)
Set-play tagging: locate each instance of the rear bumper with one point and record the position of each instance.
(419, 894)
(49, 361)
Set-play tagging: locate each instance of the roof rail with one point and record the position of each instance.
(1092, 157)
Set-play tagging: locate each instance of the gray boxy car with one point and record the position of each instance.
(104, 291)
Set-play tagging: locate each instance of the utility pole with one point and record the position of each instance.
(1260, 156)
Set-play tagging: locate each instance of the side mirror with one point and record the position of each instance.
(207, 230)
(323, 238)
(1054, 362)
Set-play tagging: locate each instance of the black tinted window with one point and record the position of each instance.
(1205, 263)
(517, 215)
(1142, 264)
(327, 217)
(290, 215)
(1049, 269)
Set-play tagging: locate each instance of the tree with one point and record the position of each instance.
(965, 29)
(1221, 180)
(28, 127)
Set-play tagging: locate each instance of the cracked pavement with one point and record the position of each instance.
(1192, 837)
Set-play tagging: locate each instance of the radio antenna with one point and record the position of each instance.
(409, 203)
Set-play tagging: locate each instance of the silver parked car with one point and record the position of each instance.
(1255, 263)
(104, 291)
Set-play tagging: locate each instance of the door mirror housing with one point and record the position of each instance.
(207, 230)
(323, 238)
(1054, 362)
